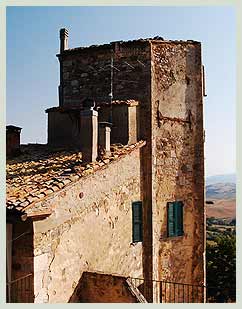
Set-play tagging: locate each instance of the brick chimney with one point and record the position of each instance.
(12, 140)
(63, 46)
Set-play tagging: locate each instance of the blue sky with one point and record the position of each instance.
(33, 69)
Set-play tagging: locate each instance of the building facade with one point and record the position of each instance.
(138, 210)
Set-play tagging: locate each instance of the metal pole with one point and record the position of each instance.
(111, 90)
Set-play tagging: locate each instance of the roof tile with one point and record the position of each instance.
(40, 171)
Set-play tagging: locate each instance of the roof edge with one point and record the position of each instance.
(117, 44)
(88, 171)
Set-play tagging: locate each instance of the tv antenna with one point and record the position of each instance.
(111, 88)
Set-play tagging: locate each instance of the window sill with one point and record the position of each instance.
(135, 243)
(173, 237)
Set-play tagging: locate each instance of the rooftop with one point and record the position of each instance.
(68, 107)
(156, 39)
(120, 102)
(40, 171)
(11, 128)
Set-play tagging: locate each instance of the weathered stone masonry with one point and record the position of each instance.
(178, 159)
(86, 73)
(169, 89)
(89, 226)
(89, 233)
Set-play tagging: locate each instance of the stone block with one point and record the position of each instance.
(66, 75)
(84, 75)
(173, 153)
(75, 83)
(67, 63)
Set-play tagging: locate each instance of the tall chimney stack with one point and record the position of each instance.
(63, 46)
(63, 39)
(89, 131)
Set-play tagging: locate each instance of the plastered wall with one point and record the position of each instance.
(91, 233)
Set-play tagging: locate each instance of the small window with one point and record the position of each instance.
(174, 219)
(137, 221)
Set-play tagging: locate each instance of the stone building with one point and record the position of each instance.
(121, 222)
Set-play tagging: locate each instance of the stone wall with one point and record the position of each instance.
(87, 72)
(103, 288)
(177, 138)
(64, 129)
(89, 230)
(22, 288)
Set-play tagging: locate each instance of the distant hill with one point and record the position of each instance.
(227, 178)
(222, 209)
(221, 191)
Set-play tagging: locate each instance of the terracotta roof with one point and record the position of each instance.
(39, 171)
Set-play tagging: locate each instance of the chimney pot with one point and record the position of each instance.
(89, 134)
(63, 39)
(104, 131)
(13, 140)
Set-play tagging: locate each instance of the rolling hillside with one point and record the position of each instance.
(222, 209)
(223, 195)
(221, 191)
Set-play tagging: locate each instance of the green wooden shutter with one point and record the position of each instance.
(170, 220)
(137, 221)
(174, 219)
(178, 218)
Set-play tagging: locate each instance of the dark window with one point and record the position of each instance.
(174, 219)
(137, 221)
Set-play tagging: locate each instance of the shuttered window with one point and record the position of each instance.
(174, 219)
(137, 221)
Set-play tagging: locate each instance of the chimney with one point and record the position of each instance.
(104, 129)
(13, 141)
(63, 46)
(63, 40)
(89, 131)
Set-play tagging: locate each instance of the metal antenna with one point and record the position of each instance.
(129, 64)
(112, 67)
(111, 89)
(141, 63)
